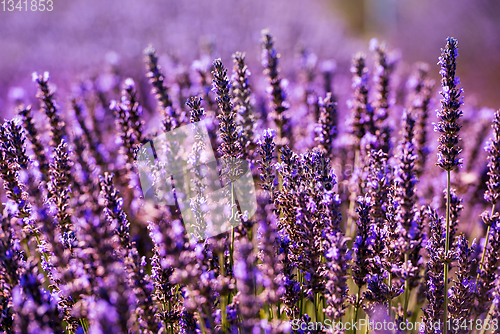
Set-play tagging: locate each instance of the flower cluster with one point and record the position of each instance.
(345, 225)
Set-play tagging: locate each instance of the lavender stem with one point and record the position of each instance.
(485, 245)
(446, 249)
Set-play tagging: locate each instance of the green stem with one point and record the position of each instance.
(357, 307)
(390, 300)
(222, 298)
(352, 203)
(316, 306)
(447, 248)
(487, 320)
(301, 294)
(407, 289)
(202, 324)
(485, 245)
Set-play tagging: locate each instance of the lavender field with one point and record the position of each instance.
(250, 167)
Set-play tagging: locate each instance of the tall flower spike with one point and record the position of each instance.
(197, 112)
(487, 272)
(383, 69)
(157, 80)
(492, 195)
(13, 158)
(246, 273)
(336, 288)
(405, 177)
(230, 148)
(422, 92)
(128, 123)
(242, 103)
(433, 312)
(462, 293)
(114, 212)
(59, 192)
(326, 130)
(34, 137)
(448, 149)
(362, 115)
(49, 105)
(362, 244)
(277, 95)
(266, 151)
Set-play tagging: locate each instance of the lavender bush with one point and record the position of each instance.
(83, 251)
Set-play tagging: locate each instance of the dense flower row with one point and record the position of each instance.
(82, 251)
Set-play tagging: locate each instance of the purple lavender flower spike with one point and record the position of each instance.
(230, 148)
(272, 266)
(243, 104)
(362, 251)
(266, 165)
(384, 66)
(277, 95)
(50, 107)
(326, 129)
(128, 124)
(157, 80)
(115, 215)
(34, 138)
(246, 273)
(13, 159)
(362, 120)
(492, 195)
(11, 258)
(487, 271)
(336, 288)
(462, 293)
(433, 312)
(59, 193)
(34, 297)
(422, 88)
(448, 149)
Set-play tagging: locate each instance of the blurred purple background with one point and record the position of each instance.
(83, 36)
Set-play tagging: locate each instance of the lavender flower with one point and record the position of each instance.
(433, 312)
(243, 103)
(362, 120)
(34, 137)
(448, 149)
(128, 122)
(266, 151)
(277, 95)
(50, 107)
(59, 193)
(362, 251)
(272, 266)
(11, 258)
(115, 215)
(421, 99)
(230, 148)
(326, 130)
(384, 66)
(462, 293)
(487, 271)
(157, 80)
(492, 195)
(29, 297)
(89, 136)
(246, 273)
(13, 158)
(336, 289)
